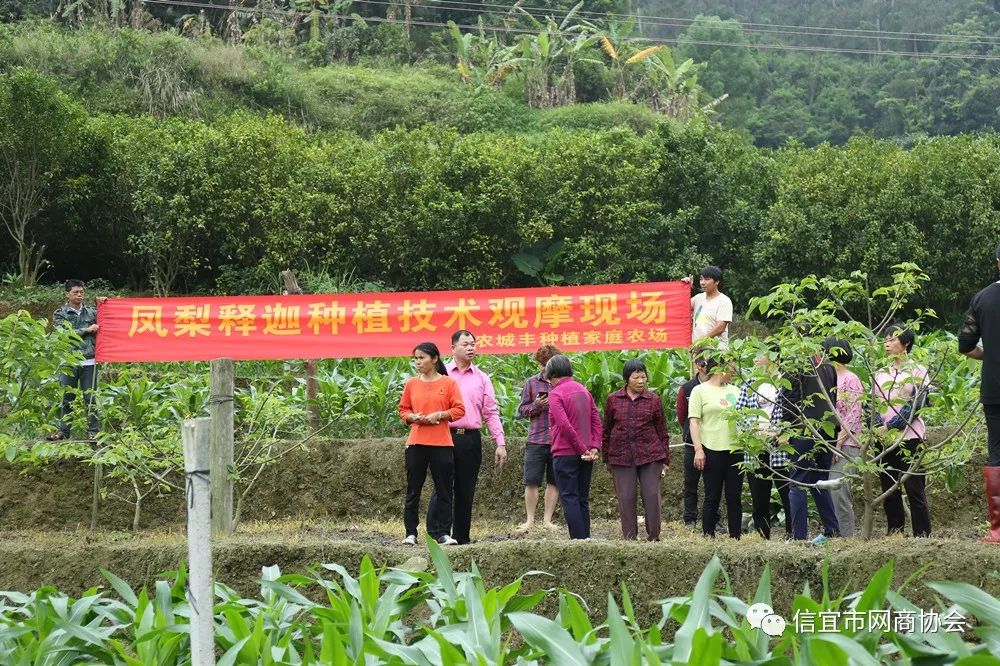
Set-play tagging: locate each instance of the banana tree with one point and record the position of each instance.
(482, 60)
(549, 57)
(669, 88)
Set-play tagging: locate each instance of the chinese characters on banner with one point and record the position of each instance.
(505, 321)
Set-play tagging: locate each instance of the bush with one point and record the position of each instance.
(600, 117)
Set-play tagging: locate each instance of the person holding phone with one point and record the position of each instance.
(576, 431)
(534, 406)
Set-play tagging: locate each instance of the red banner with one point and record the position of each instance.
(505, 321)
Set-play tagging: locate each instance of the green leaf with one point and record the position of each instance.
(707, 646)
(444, 571)
(622, 644)
(545, 635)
(857, 653)
(528, 264)
(233, 653)
(332, 649)
(698, 614)
(573, 617)
(873, 598)
(122, 588)
(983, 605)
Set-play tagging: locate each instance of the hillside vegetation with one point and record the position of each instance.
(191, 163)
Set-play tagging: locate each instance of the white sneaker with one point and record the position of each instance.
(447, 540)
(410, 540)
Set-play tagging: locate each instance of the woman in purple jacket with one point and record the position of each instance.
(575, 427)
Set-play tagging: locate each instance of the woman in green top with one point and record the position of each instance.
(713, 433)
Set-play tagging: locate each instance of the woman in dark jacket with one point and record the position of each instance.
(636, 449)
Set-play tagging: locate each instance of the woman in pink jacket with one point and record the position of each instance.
(575, 427)
(900, 391)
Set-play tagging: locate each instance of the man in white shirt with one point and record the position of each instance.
(711, 310)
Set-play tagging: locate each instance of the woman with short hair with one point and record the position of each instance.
(636, 449)
(575, 427)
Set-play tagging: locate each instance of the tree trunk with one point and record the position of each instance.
(95, 502)
(868, 525)
(138, 506)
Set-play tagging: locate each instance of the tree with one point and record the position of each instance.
(31, 361)
(42, 131)
(806, 312)
(165, 164)
(549, 57)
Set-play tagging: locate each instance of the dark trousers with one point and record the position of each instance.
(692, 476)
(896, 464)
(992, 435)
(468, 460)
(441, 461)
(82, 378)
(807, 467)
(573, 482)
(761, 482)
(722, 472)
(648, 478)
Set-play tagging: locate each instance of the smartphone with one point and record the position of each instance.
(543, 394)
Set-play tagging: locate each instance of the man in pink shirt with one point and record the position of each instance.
(480, 406)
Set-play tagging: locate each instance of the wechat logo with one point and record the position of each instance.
(761, 616)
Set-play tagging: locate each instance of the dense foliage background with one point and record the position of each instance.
(207, 151)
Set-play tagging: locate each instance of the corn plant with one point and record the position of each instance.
(399, 616)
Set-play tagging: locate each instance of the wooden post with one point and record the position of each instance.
(221, 410)
(195, 434)
(312, 385)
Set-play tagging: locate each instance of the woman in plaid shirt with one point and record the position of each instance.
(769, 469)
(636, 449)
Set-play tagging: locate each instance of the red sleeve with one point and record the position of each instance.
(609, 422)
(456, 408)
(660, 423)
(405, 403)
(682, 407)
(596, 434)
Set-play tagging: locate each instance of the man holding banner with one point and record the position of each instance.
(82, 319)
(480, 406)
